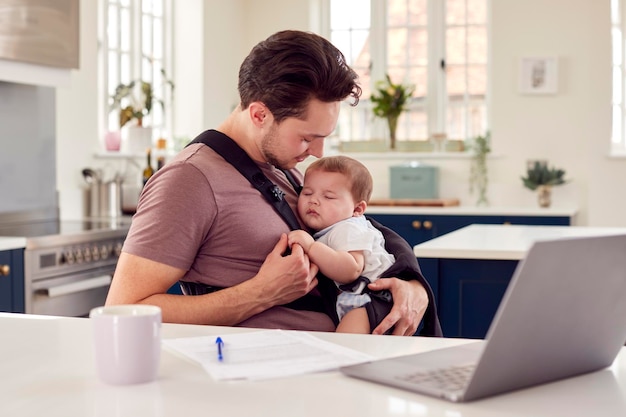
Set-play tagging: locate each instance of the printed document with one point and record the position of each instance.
(264, 354)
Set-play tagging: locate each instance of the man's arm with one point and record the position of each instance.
(280, 280)
(413, 299)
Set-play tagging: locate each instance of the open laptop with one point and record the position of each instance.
(563, 314)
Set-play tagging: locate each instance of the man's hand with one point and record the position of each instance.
(410, 301)
(286, 278)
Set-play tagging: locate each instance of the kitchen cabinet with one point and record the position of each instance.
(465, 303)
(471, 268)
(12, 281)
(418, 228)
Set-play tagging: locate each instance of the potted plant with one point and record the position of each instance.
(541, 178)
(389, 101)
(134, 101)
(479, 147)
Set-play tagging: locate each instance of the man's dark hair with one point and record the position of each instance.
(290, 68)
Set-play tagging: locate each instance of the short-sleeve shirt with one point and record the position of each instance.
(199, 214)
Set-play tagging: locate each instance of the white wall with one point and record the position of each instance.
(571, 129)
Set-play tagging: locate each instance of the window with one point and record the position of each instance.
(618, 135)
(440, 46)
(135, 46)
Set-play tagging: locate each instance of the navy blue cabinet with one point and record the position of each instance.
(12, 281)
(467, 291)
(418, 228)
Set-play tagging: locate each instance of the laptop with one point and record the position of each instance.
(563, 314)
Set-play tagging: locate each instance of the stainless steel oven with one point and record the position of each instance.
(68, 265)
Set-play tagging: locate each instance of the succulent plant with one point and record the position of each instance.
(541, 174)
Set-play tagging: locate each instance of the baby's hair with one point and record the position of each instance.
(360, 179)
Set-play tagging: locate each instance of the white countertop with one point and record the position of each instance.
(476, 211)
(9, 243)
(47, 369)
(508, 242)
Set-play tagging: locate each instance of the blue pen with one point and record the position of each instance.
(220, 344)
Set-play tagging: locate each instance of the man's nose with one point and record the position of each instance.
(316, 148)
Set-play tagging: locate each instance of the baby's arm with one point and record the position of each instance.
(340, 266)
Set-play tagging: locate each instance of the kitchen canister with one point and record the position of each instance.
(414, 180)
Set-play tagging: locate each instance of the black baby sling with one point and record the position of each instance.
(239, 159)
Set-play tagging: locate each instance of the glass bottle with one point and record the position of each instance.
(148, 171)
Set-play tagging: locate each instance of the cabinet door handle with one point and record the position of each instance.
(428, 225)
(416, 224)
(5, 270)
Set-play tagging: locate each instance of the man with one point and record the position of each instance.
(200, 221)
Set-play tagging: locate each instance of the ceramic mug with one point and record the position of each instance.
(127, 343)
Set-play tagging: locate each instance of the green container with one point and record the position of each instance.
(414, 181)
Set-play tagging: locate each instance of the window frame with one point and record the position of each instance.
(141, 68)
(617, 141)
(433, 104)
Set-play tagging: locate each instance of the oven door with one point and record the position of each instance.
(71, 295)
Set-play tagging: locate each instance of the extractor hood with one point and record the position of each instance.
(39, 40)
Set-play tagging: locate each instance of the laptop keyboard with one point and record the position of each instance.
(453, 378)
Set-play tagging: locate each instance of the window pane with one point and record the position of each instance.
(455, 12)
(396, 47)
(455, 45)
(125, 68)
(476, 12)
(419, 78)
(455, 123)
(477, 45)
(397, 13)
(418, 47)
(477, 80)
(418, 12)
(146, 36)
(113, 80)
(157, 33)
(113, 25)
(157, 7)
(418, 123)
(146, 6)
(455, 80)
(125, 32)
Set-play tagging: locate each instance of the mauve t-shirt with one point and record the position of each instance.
(198, 213)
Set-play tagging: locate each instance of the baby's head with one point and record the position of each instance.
(335, 188)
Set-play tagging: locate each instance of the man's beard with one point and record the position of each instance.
(268, 146)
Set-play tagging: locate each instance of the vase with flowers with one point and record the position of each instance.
(389, 101)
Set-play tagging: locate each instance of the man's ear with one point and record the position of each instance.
(359, 209)
(259, 114)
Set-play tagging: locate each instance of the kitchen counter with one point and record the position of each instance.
(509, 242)
(10, 243)
(476, 211)
(48, 370)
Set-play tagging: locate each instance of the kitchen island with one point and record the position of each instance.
(419, 224)
(470, 269)
(48, 369)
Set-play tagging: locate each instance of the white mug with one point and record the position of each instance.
(127, 341)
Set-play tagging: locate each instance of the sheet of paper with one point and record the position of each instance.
(265, 354)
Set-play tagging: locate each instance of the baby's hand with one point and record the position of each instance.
(300, 237)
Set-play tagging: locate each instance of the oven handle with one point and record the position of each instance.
(78, 286)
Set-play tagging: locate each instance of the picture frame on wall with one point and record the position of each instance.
(538, 75)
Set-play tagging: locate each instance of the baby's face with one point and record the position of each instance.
(325, 199)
